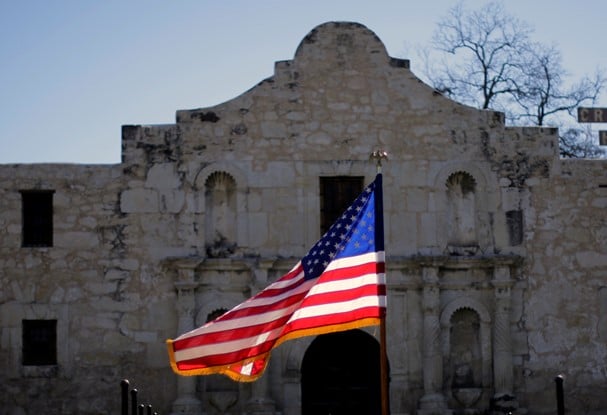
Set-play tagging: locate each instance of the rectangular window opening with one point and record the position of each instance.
(514, 222)
(37, 218)
(39, 346)
(336, 194)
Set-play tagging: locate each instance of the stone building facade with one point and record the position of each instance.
(496, 258)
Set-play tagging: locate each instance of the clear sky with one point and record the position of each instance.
(72, 72)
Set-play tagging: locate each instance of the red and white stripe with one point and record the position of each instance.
(349, 290)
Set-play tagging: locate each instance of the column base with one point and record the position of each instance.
(261, 406)
(504, 403)
(433, 404)
(187, 405)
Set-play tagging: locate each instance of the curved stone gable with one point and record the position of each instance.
(341, 90)
(340, 45)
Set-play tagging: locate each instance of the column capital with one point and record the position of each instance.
(185, 266)
(502, 281)
(430, 275)
(261, 273)
(185, 286)
(501, 273)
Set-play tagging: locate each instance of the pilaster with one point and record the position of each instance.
(261, 403)
(433, 402)
(186, 402)
(502, 341)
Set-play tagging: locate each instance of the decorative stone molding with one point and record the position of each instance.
(226, 275)
(468, 395)
(484, 331)
(493, 279)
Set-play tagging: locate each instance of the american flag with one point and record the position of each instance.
(339, 285)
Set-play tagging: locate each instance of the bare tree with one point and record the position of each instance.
(543, 92)
(486, 58)
(545, 99)
(480, 62)
(576, 142)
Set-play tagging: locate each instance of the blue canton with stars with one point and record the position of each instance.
(352, 234)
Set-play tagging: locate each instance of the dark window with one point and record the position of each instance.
(37, 217)
(39, 342)
(514, 222)
(336, 194)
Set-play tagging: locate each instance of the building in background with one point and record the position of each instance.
(496, 260)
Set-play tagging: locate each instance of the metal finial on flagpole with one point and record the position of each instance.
(378, 156)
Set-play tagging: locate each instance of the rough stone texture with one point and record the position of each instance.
(130, 250)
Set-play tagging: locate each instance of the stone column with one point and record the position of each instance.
(186, 402)
(433, 402)
(260, 402)
(502, 342)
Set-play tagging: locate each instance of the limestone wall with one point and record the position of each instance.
(565, 273)
(111, 318)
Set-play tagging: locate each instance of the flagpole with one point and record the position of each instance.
(379, 225)
(383, 356)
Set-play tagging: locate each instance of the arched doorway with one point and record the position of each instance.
(340, 375)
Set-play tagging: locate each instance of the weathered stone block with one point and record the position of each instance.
(85, 240)
(139, 201)
(163, 176)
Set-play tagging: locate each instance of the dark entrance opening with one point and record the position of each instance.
(340, 375)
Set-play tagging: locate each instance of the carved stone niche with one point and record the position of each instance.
(205, 285)
(467, 355)
(221, 213)
(223, 284)
(473, 341)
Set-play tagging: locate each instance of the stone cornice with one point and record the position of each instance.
(453, 262)
(191, 269)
